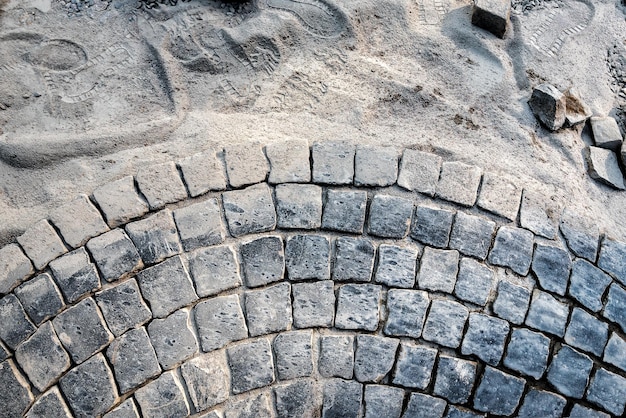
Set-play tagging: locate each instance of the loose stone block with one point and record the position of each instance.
(458, 183)
(161, 184)
(485, 338)
(15, 396)
(569, 372)
(513, 248)
(375, 166)
(354, 260)
(155, 237)
(606, 133)
(308, 257)
(15, 326)
(608, 391)
(616, 306)
(438, 270)
(250, 210)
(471, 235)
(120, 202)
(455, 379)
(344, 211)
(299, 206)
(406, 311)
(374, 357)
(203, 172)
(296, 399)
(41, 244)
(115, 255)
(445, 323)
(163, 397)
(390, 216)
(547, 314)
(581, 234)
(40, 298)
(586, 332)
(579, 411)
(289, 161)
(383, 401)
(424, 406)
(357, 307)
(432, 226)
(615, 351)
(499, 393)
(78, 221)
(414, 366)
(419, 171)
(313, 304)
(396, 266)
(539, 215)
(512, 302)
(251, 365)
(528, 352)
(208, 379)
(268, 310)
(245, 164)
(50, 404)
(123, 308)
(612, 259)
(551, 265)
(587, 284)
(336, 356)
(548, 104)
(126, 409)
(263, 261)
(214, 270)
(500, 196)
(172, 339)
(220, 321)
(75, 274)
(342, 399)
(133, 359)
(200, 225)
(256, 406)
(333, 162)
(294, 354)
(15, 267)
(603, 166)
(474, 282)
(492, 15)
(538, 403)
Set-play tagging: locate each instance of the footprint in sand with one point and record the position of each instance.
(317, 16)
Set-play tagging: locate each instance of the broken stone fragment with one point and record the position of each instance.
(606, 133)
(576, 111)
(603, 166)
(549, 106)
(492, 15)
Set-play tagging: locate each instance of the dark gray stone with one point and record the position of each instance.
(512, 302)
(336, 356)
(299, 206)
(528, 352)
(406, 311)
(539, 214)
(539, 403)
(616, 306)
(122, 307)
(313, 304)
(160, 184)
(250, 210)
(608, 391)
(459, 412)
(471, 235)
(419, 171)
(383, 401)
(202, 172)
(219, 321)
(41, 244)
(294, 354)
(474, 282)
(172, 339)
(579, 411)
(358, 307)
(333, 162)
(375, 166)
(569, 372)
(438, 270)
(354, 259)
(615, 351)
(374, 357)
(163, 397)
(245, 164)
(40, 298)
(344, 211)
(126, 409)
(15, 396)
(432, 226)
(603, 166)
(263, 261)
(214, 270)
(50, 405)
(500, 196)
(342, 399)
(75, 275)
(120, 202)
(414, 366)
(581, 234)
(4, 352)
(296, 399)
(308, 257)
(200, 225)
(499, 393)
(549, 105)
(492, 15)
(268, 310)
(424, 406)
(552, 265)
(396, 266)
(458, 183)
(606, 133)
(115, 255)
(485, 337)
(256, 406)
(445, 323)
(289, 161)
(586, 332)
(513, 248)
(587, 284)
(155, 237)
(251, 365)
(612, 259)
(390, 216)
(77, 221)
(455, 379)
(207, 379)
(547, 314)
(15, 267)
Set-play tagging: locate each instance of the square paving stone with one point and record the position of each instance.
(207, 379)
(474, 282)
(268, 310)
(126, 409)
(342, 399)
(528, 352)
(552, 265)
(120, 202)
(15, 267)
(263, 261)
(485, 338)
(499, 393)
(588, 284)
(299, 206)
(255, 406)
(200, 224)
(297, 399)
(406, 311)
(414, 366)
(374, 357)
(344, 211)
(163, 397)
(40, 298)
(375, 166)
(333, 162)
(424, 406)
(214, 270)
(336, 357)
(459, 412)
(15, 326)
(293, 352)
(115, 255)
(220, 321)
(41, 244)
(615, 351)
(78, 221)
(354, 259)
(16, 396)
(539, 403)
(155, 237)
(511, 302)
(500, 196)
(122, 307)
(383, 401)
(581, 234)
(438, 270)
(396, 266)
(455, 379)
(432, 226)
(245, 164)
(390, 216)
(579, 411)
(471, 235)
(50, 404)
(458, 183)
(513, 248)
(203, 172)
(308, 257)
(313, 304)
(547, 314)
(608, 391)
(250, 210)
(586, 332)
(569, 372)
(358, 307)
(445, 323)
(251, 365)
(289, 161)
(172, 339)
(75, 275)
(419, 171)
(539, 215)
(616, 306)
(612, 259)
(161, 184)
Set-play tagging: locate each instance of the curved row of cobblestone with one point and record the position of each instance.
(288, 280)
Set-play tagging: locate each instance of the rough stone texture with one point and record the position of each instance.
(406, 311)
(606, 133)
(528, 352)
(15, 326)
(296, 399)
(263, 261)
(163, 397)
(336, 356)
(293, 352)
(432, 226)
(4, 352)
(78, 221)
(342, 399)
(50, 404)
(120, 202)
(75, 274)
(155, 237)
(308, 257)
(458, 412)
(602, 165)
(251, 365)
(586, 332)
(512, 302)
(357, 307)
(313, 304)
(214, 270)
(414, 366)
(485, 338)
(89, 388)
(203, 172)
(471, 235)
(15, 396)
(172, 339)
(268, 310)
(333, 162)
(539, 403)
(615, 351)
(513, 248)
(219, 322)
(208, 379)
(438, 270)
(608, 391)
(539, 214)
(245, 164)
(616, 306)
(200, 225)
(289, 161)
(122, 307)
(459, 183)
(390, 216)
(612, 258)
(250, 210)
(40, 298)
(419, 171)
(161, 184)
(552, 265)
(126, 409)
(375, 166)
(549, 106)
(581, 234)
(41, 244)
(299, 206)
(492, 15)
(374, 357)
(396, 266)
(354, 259)
(577, 111)
(115, 255)
(455, 379)
(15, 267)
(500, 196)
(445, 323)
(547, 314)
(587, 284)
(474, 282)
(569, 372)
(424, 406)
(383, 401)
(498, 393)
(344, 211)
(579, 411)
(255, 406)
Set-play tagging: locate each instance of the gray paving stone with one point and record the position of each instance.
(354, 260)
(547, 314)
(569, 372)
(587, 284)
(396, 266)
(474, 282)
(160, 184)
(606, 132)
(42, 357)
(207, 379)
(268, 310)
(133, 359)
(528, 352)
(459, 412)
(163, 397)
(89, 387)
(78, 221)
(419, 171)
(512, 302)
(539, 403)
(220, 321)
(552, 265)
(547, 103)
(333, 162)
(608, 391)
(383, 401)
(342, 399)
(406, 312)
(245, 164)
(15, 326)
(579, 411)
(289, 161)
(263, 260)
(539, 215)
(424, 406)
(120, 202)
(344, 211)
(41, 244)
(615, 351)
(203, 172)
(40, 298)
(586, 332)
(499, 393)
(581, 234)
(458, 183)
(313, 304)
(49, 405)
(250, 210)
(299, 206)
(414, 366)
(445, 323)
(115, 255)
(438, 270)
(155, 237)
(485, 338)
(251, 365)
(471, 235)
(15, 396)
(375, 166)
(336, 357)
(126, 409)
(513, 248)
(455, 379)
(214, 270)
(389, 216)
(603, 166)
(294, 356)
(358, 307)
(612, 259)
(15, 267)
(492, 16)
(296, 399)
(172, 339)
(122, 307)
(256, 406)
(200, 224)
(75, 275)
(432, 226)
(616, 306)
(500, 196)
(374, 357)
(307, 257)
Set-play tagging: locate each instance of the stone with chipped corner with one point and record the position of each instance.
(492, 15)
(603, 166)
(576, 111)
(549, 106)
(606, 133)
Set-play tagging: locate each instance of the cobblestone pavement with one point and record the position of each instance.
(331, 280)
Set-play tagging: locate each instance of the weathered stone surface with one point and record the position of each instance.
(220, 321)
(612, 258)
(587, 284)
(586, 332)
(251, 365)
(203, 172)
(474, 282)
(438, 270)
(383, 401)
(155, 237)
(512, 302)
(161, 184)
(245, 164)
(126, 409)
(375, 166)
(419, 171)
(41, 244)
(15, 326)
(308, 257)
(396, 266)
(313, 304)
(357, 307)
(424, 406)
(294, 354)
(15, 267)
(4, 352)
(75, 274)
(390, 216)
(581, 234)
(492, 15)
(172, 339)
(374, 357)
(214, 270)
(513, 248)
(500, 196)
(406, 311)
(432, 226)
(344, 211)
(615, 351)
(459, 183)
(459, 412)
(455, 379)
(445, 323)
(577, 111)
(200, 225)
(608, 391)
(299, 206)
(342, 399)
(539, 403)
(133, 359)
(499, 393)
(485, 338)
(268, 310)
(122, 307)
(115, 255)
(40, 298)
(289, 161)
(255, 406)
(539, 214)
(250, 210)
(549, 106)
(528, 352)
(263, 261)
(547, 314)
(296, 399)
(551, 265)
(603, 166)
(616, 306)
(208, 379)
(120, 202)
(471, 235)
(414, 366)
(336, 356)
(579, 411)
(606, 133)
(354, 259)
(15, 396)
(333, 162)
(78, 221)
(163, 397)
(51, 405)
(569, 372)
